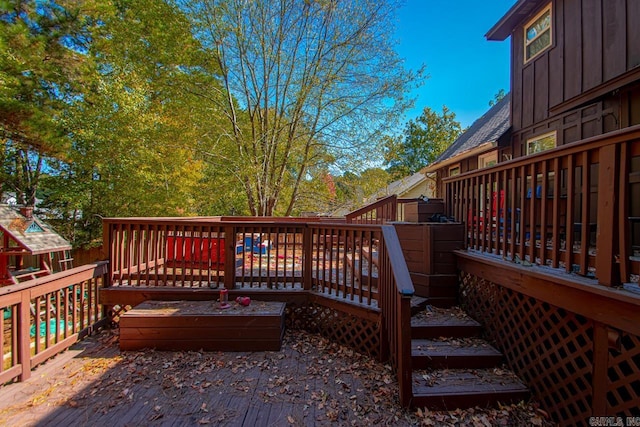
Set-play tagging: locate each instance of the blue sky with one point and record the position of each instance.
(465, 69)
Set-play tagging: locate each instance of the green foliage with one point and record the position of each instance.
(138, 131)
(196, 107)
(37, 78)
(305, 81)
(497, 97)
(422, 141)
(326, 194)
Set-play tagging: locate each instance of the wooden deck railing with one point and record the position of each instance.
(333, 259)
(382, 211)
(564, 208)
(45, 316)
(356, 264)
(397, 289)
(379, 212)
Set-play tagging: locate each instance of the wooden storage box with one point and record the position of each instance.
(428, 250)
(421, 211)
(203, 325)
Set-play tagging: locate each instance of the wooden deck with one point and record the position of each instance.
(195, 325)
(310, 381)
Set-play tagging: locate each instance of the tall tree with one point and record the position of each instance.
(136, 128)
(38, 70)
(421, 142)
(303, 79)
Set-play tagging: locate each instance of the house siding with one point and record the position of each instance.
(594, 41)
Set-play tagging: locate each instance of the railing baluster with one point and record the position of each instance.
(543, 210)
(623, 209)
(533, 217)
(502, 212)
(570, 213)
(586, 215)
(523, 212)
(556, 213)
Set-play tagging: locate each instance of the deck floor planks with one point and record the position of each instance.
(89, 390)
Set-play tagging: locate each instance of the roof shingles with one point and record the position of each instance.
(36, 242)
(487, 129)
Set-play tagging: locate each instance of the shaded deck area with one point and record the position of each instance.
(309, 382)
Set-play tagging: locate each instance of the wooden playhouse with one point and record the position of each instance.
(30, 247)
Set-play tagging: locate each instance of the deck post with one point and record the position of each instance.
(107, 250)
(24, 335)
(404, 351)
(230, 256)
(307, 258)
(606, 238)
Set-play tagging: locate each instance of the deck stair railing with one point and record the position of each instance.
(379, 212)
(569, 207)
(382, 211)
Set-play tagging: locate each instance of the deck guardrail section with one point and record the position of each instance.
(45, 316)
(558, 208)
(344, 262)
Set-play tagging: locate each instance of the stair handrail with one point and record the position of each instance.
(396, 288)
(381, 211)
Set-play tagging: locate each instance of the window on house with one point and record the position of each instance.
(487, 160)
(454, 170)
(541, 143)
(537, 34)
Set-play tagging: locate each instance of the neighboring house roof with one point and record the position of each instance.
(482, 135)
(31, 234)
(401, 186)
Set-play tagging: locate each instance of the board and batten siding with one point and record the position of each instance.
(594, 41)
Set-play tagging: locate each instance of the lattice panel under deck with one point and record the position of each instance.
(549, 348)
(623, 397)
(359, 334)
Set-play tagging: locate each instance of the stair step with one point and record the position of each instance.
(468, 353)
(451, 389)
(444, 326)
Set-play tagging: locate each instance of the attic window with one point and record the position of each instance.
(34, 228)
(541, 143)
(537, 34)
(488, 160)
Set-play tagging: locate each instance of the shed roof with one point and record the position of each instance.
(483, 132)
(31, 234)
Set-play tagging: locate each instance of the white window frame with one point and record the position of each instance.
(483, 159)
(538, 138)
(529, 24)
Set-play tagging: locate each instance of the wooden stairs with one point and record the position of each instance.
(452, 366)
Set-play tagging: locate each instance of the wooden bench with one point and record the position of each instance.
(203, 325)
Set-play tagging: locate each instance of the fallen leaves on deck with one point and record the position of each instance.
(311, 381)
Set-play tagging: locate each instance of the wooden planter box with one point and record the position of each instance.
(202, 325)
(428, 250)
(421, 211)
